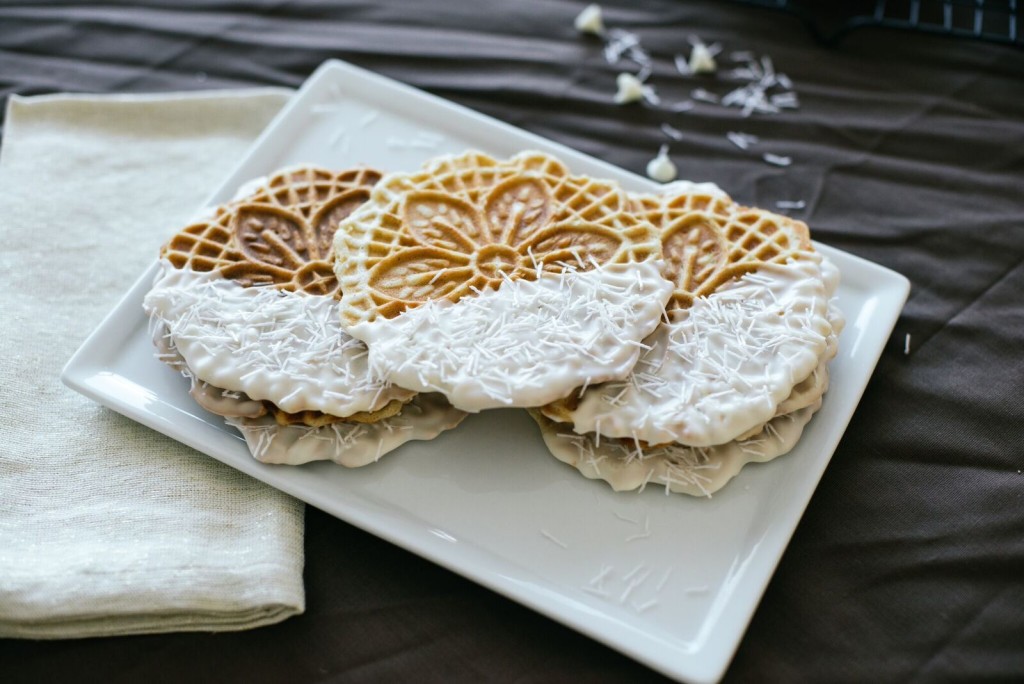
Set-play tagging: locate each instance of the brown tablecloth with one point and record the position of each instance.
(908, 149)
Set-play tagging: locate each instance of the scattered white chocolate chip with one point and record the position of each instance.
(590, 20)
(632, 89)
(661, 167)
(701, 60)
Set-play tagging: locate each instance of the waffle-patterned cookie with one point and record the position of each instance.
(707, 240)
(234, 404)
(628, 464)
(274, 436)
(281, 234)
(499, 283)
(351, 444)
(232, 300)
(697, 471)
(735, 370)
(469, 223)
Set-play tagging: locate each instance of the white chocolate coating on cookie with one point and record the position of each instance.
(813, 387)
(284, 347)
(526, 343)
(349, 444)
(697, 471)
(722, 366)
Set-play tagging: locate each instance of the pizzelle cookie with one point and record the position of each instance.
(748, 321)
(246, 305)
(499, 283)
(271, 345)
(351, 444)
(278, 231)
(697, 471)
(734, 373)
(627, 464)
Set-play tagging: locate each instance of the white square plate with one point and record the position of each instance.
(487, 500)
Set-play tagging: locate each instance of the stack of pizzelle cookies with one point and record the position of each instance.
(735, 370)
(246, 305)
(656, 339)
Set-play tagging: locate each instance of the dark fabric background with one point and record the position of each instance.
(909, 150)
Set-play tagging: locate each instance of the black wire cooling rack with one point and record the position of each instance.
(991, 20)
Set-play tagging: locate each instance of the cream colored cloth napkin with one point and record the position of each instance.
(107, 527)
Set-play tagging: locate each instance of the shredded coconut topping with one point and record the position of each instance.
(623, 44)
(755, 95)
(526, 343)
(790, 204)
(284, 347)
(722, 366)
(776, 159)
(671, 131)
(553, 539)
(742, 140)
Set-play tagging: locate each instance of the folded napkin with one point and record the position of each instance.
(107, 527)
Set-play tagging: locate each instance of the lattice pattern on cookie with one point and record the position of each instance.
(281, 235)
(662, 209)
(708, 240)
(465, 224)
